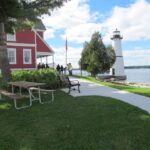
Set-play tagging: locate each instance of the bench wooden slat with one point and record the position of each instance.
(14, 97)
(11, 95)
(43, 90)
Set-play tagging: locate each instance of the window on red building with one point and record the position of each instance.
(11, 37)
(12, 55)
(27, 56)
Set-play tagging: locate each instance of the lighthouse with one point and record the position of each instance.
(118, 67)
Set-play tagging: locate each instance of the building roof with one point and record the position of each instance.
(39, 25)
(43, 49)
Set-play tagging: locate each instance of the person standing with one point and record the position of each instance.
(46, 66)
(39, 66)
(70, 69)
(61, 69)
(65, 68)
(58, 68)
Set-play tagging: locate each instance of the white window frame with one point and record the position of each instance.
(30, 54)
(14, 51)
(11, 37)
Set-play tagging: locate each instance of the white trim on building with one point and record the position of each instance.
(40, 54)
(14, 69)
(21, 44)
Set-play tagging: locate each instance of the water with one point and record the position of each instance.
(138, 75)
(133, 75)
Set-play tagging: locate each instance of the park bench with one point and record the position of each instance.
(71, 84)
(14, 97)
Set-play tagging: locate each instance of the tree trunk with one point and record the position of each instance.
(4, 62)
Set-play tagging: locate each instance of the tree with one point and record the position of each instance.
(111, 55)
(96, 57)
(18, 14)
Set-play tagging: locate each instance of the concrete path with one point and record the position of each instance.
(88, 88)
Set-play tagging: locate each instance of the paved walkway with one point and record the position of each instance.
(89, 88)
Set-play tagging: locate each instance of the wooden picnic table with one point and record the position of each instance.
(27, 85)
(24, 84)
(31, 87)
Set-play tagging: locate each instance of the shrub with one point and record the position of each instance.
(3, 85)
(48, 76)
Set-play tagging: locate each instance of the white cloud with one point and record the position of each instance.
(71, 14)
(75, 18)
(132, 21)
(81, 32)
(136, 57)
(49, 33)
(78, 23)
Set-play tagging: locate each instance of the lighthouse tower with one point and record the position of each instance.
(118, 68)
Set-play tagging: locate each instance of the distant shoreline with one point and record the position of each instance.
(137, 67)
(128, 67)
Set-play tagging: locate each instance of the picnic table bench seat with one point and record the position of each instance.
(14, 97)
(71, 84)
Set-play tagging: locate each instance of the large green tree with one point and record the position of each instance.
(96, 57)
(18, 14)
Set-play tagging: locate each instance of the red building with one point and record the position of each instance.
(25, 46)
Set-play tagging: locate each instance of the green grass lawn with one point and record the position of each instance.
(81, 123)
(137, 90)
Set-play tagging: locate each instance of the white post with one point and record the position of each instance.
(66, 48)
(66, 57)
(46, 60)
(53, 61)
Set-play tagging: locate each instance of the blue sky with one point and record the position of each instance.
(79, 19)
